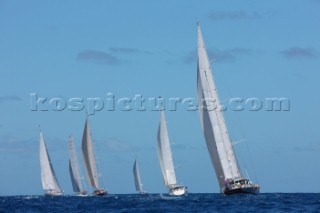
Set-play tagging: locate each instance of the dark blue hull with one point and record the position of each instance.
(246, 190)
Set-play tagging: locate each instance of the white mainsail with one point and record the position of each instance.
(89, 157)
(74, 168)
(48, 176)
(164, 154)
(212, 120)
(137, 179)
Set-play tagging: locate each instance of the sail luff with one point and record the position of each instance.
(160, 157)
(48, 177)
(75, 185)
(209, 137)
(213, 123)
(165, 154)
(89, 157)
(55, 180)
(74, 166)
(137, 179)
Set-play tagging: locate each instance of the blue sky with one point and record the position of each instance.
(89, 48)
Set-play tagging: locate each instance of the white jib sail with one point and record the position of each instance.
(137, 179)
(164, 153)
(89, 157)
(212, 120)
(48, 176)
(74, 168)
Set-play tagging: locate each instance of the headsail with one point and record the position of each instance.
(137, 179)
(164, 153)
(74, 168)
(212, 120)
(89, 157)
(48, 176)
(74, 182)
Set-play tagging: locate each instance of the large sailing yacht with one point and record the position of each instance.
(49, 180)
(74, 169)
(165, 159)
(137, 178)
(215, 131)
(90, 161)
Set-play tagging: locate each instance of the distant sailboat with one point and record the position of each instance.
(74, 169)
(90, 161)
(215, 131)
(137, 179)
(48, 177)
(165, 159)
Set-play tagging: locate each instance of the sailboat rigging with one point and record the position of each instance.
(89, 160)
(215, 131)
(74, 169)
(166, 161)
(49, 180)
(137, 178)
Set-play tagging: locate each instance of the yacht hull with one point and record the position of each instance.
(82, 194)
(244, 190)
(178, 191)
(53, 193)
(100, 192)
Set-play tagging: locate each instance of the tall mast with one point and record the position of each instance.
(137, 179)
(212, 120)
(89, 157)
(74, 167)
(165, 154)
(48, 176)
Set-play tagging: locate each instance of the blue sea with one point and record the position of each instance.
(266, 202)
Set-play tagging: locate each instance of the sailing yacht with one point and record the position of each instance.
(165, 159)
(215, 131)
(74, 169)
(137, 179)
(49, 180)
(90, 161)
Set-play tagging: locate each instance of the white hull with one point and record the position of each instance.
(143, 193)
(53, 193)
(178, 191)
(82, 195)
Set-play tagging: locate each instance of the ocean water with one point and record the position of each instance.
(266, 202)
